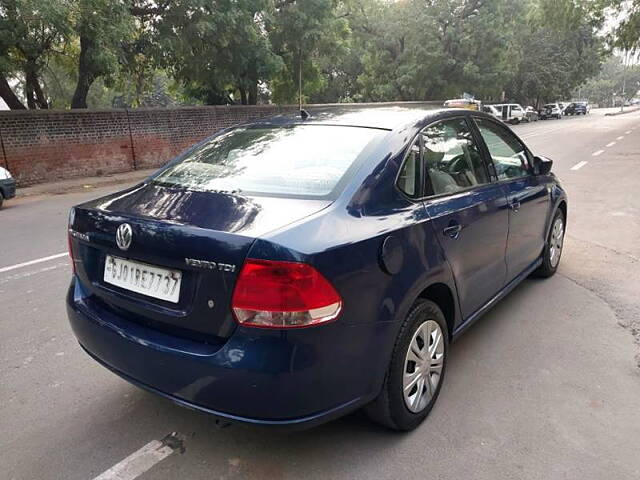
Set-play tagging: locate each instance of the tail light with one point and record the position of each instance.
(274, 294)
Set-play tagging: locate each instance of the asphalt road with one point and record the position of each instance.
(546, 386)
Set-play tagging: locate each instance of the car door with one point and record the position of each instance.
(527, 194)
(467, 211)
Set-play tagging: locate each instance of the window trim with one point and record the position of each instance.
(420, 182)
(489, 158)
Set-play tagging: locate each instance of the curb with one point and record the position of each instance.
(613, 114)
(82, 184)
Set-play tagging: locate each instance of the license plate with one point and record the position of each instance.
(142, 278)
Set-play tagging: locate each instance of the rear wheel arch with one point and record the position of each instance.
(442, 296)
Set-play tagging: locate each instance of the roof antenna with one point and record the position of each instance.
(303, 113)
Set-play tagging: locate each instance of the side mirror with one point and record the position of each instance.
(542, 165)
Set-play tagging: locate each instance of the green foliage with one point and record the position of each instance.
(29, 32)
(556, 50)
(132, 53)
(219, 50)
(306, 35)
(608, 86)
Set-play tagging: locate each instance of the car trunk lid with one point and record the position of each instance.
(203, 235)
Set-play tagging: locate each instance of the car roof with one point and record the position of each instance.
(387, 118)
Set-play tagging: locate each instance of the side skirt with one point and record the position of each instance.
(495, 299)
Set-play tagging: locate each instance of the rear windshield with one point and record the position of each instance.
(302, 160)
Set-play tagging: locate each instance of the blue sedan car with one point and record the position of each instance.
(292, 270)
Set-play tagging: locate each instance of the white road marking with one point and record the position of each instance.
(579, 165)
(627, 132)
(142, 460)
(535, 134)
(620, 137)
(611, 144)
(32, 262)
(29, 273)
(595, 154)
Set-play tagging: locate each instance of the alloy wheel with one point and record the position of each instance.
(423, 366)
(556, 241)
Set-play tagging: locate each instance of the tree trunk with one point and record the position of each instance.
(34, 92)
(253, 93)
(8, 96)
(28, 92)
(243, 95)
(85, 76)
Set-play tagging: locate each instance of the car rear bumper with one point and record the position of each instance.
(8, 187)
(293, 379)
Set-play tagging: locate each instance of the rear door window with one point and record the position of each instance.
(301, 160)
(452, 158)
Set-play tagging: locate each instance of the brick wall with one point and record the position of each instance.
(46, 145)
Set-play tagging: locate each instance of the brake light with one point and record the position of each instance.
(274, 294)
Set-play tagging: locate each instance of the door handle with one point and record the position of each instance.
(452, 230)
(515, 206)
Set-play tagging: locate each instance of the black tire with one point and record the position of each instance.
(389, 408)
(1, 198)
(547, 269)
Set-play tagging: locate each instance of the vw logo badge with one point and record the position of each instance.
(124, 235)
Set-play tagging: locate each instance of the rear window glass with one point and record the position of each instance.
(302, 160)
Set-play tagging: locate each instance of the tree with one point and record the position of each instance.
(557, 49)
(305, 34)
(418, 50)
(218, 50)
(103, 27)
(606, 87)
(30, 31)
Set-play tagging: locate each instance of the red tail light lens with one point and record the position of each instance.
(274, 294)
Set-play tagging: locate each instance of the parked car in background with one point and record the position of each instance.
(530, 114)
(576, 108)
(551, 110)
(293, 270)
(492, 110)
(7, 185)
(509, 112)
(587, 106)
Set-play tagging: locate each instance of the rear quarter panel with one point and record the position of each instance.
(344, 243)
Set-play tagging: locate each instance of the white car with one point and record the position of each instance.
(492, 110)
(551, 110)
(509, 112)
